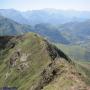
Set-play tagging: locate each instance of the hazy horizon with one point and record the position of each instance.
(25, 5)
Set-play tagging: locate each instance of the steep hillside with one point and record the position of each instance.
(13, 15)
(76, 32)
(50, 32)
(76, 52)
(9, 27)
(4, 40)
(29, 62)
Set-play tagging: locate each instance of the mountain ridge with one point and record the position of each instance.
(35, 64)
(45, 16)
(9, 27)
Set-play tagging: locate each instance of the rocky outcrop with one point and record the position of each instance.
(48, 75)
(18, 60)
(54, 52)
(35, 64)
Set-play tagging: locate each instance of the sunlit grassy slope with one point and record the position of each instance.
(29, 62)
(33, 47)
(76, 52)
(78, 55)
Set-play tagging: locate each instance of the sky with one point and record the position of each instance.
(24, 5)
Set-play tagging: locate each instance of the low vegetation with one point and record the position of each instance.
(29, 62)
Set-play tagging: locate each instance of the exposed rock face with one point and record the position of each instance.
(35, 64)
(54, 52)
(13, 59)
(19, 60)
(54, 72)
(24, 57)
(48, 75)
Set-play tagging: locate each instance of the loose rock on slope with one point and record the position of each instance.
(35, 64)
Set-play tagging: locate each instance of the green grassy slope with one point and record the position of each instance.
(83, 66)
(78, 55)
(10, 27)
(36, 61)
(30, 63)
(76, 52)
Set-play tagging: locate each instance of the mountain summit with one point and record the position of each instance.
(29, 62)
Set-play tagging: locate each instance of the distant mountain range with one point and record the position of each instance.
(10, 28)
(76, 32)
(51, 16)
(14, 15)
(48, 23)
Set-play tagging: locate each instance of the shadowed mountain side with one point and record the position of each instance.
(9, 28)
